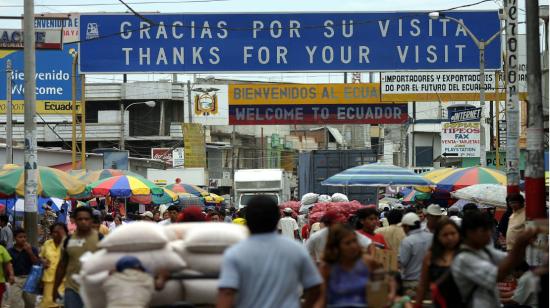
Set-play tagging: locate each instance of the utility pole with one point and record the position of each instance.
(30, 155)
(83, 121)
(73, 109)
(512, 100)
(9, 116)
(534, 169)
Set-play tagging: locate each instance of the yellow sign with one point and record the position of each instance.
(194, 145)
(42, 107)
(304, 94)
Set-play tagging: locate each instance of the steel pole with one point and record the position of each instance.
(482, 153)
(122, 126)
(497, 111)
(73, 110)
(30, 155)
(9, 115)
(534, 169)
(83, 121)
(512, 99)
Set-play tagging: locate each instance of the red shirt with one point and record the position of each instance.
(378, 239)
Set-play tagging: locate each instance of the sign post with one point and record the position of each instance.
(9, 117)
(512, 100)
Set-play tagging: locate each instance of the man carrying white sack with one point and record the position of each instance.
(267, 269)
(130, 286)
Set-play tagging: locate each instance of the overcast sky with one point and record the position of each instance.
(14, 8)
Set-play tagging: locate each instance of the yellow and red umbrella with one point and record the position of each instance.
(124, 186)
(51, 183)
(101, 174)
(458, 178)
(180, 188)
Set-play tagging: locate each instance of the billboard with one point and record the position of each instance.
(53, 82)
(460, 139)
(209, 104)
(45, 39)
(194, 145)
(115, 159)
(70, 27)
(264, 104)
(282, 42)
(439, 86)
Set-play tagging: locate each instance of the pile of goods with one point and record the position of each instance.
(318, 205)
(187, 248)
(343, 209)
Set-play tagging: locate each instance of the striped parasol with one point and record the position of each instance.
(167, 197)
(96, 175)
(51, 183)
(124, 186)
(180, 188)
(464, 177)
(376, 174)
(411, 195)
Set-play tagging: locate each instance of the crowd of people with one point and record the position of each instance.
(287, 262)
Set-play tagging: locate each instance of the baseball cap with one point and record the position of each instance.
(147, 214)
(288, 210)
(410, 219)
(127, 262)
(434, 210)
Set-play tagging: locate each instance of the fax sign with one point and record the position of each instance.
(470, 115)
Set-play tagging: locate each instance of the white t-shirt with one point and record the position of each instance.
(287, 225)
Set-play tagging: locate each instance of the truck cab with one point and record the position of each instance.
(251, 182)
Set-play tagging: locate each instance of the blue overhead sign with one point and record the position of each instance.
(468, 115)
(281, 42)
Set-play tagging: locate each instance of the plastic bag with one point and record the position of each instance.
(338, 197)
(309, 198)
(32, 284)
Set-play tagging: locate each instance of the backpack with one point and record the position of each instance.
(445, 292)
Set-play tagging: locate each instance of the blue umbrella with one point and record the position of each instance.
(376, 174)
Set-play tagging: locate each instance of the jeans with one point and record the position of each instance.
(72, 299)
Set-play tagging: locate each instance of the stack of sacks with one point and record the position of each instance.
(150, 244)
(202, 247)
(308, 200)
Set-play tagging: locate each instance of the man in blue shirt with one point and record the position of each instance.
(267, 269)
(412, 251)
(23, 257)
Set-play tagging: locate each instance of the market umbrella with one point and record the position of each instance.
(180, 188)
(411, 195)
(101, 174)
(186, 199)
(9, 166)
(376, 174)
(464, 177)
(213, 198)
(51, 183)
(167, 197)
(490, 194)
(124, 186)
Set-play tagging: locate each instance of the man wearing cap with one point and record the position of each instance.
(433, 215)
(412, 251)
(287, 225)
(130, 285)
(147, 216)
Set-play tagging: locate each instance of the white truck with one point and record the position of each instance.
(251, 182)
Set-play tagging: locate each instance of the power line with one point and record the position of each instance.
(111, 4)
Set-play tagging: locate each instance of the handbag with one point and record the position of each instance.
(32, 284)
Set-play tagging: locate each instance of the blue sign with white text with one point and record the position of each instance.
(53, 75)
(284, 42)
(468, 115)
